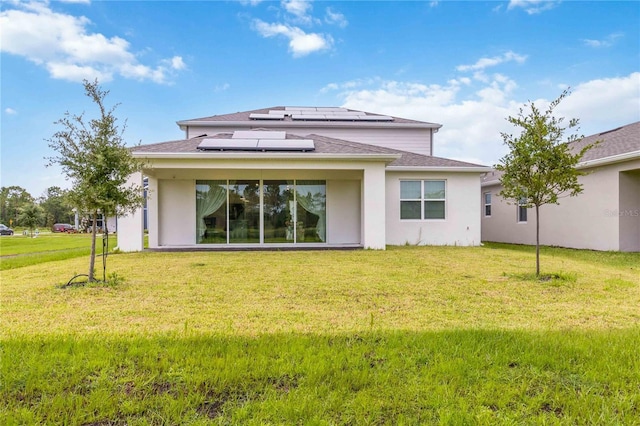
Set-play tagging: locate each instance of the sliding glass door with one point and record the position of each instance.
(254, 212)
(244, 211)
(278, 211)
(211, 211)
(311, 208)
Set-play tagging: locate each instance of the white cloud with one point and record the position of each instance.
(473, 113)
(300, 9)
(300, 43)
(62, 44)
(10, 111)
(483, 63)
(608, 41)
(335, 18)
(605, 103)
(177, 63)
(533, 7)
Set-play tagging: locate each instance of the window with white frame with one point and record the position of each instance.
(522, 211)
(422, 199)
(487, 204)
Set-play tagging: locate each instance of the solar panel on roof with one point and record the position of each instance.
(257, 116)
(258, 134)
(223, 144)
(331, 109)
(314, 117)
(286, 145)
(374, 118)
(257, 145)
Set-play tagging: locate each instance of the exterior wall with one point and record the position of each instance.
(343, 212)
(629, 211)
(130, 227)
(405, 139)
(373, 207)
(461, 225)
(176, 212)
(589, 221)
(152, 211)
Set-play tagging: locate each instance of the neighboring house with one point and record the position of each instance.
(304, 177)
(605, 216)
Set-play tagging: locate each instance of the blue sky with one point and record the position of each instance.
(466, 65)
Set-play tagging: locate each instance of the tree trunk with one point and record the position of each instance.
(537, 240)
(92, 259)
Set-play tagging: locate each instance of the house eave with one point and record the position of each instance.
(309, 156)
(458, 169)
(633, 155)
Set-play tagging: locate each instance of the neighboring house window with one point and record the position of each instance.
(522, 211)
(487, 204)
(422, 199)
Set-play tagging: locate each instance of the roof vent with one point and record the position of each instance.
(609, 131)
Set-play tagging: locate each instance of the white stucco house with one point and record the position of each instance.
(606, 216)
(304, 177)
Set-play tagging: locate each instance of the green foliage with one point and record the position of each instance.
(12, 198)
(540, 167)
(56, 206)
(31, 216)
(94, 157)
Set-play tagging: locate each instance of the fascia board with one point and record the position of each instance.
(633, 155)
(263, 156)
(297, 124)
(478, 169)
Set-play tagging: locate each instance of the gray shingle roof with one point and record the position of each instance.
(323, 145)
(244, 116)
(618, 141)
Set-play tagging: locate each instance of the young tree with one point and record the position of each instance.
(94, 157)
(540, 167)
(31, 216)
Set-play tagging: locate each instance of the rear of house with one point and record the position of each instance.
(304, 177)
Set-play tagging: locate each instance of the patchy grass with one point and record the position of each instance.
(408, 336)
(450, 377)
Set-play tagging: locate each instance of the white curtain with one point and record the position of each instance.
(207, 201)
(314, 202)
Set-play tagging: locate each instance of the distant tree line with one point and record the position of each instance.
(19, 208)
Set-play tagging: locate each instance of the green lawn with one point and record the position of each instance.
(406, 336)
(18, 251)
